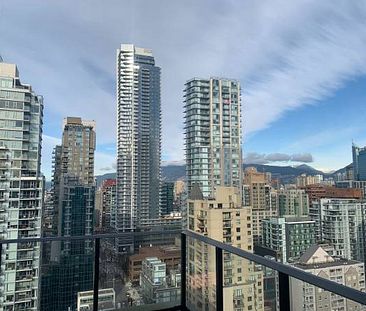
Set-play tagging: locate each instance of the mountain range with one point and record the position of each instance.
(285, 173)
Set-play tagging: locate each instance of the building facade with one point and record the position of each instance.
(69, 267)
(106, 300)
(21, 190)
(106, 204)
(213, 134)
(353, 185)
(287, 239)
(258, 194)
(305, 180)
(293, 202)
(170, 255)
(138, 139)
(341, 223)
(226, 220)
(359, 163)
(167, 198)
(316, 260)
(344, 190)
(155, 282)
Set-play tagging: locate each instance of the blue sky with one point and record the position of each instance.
(325, 129)
(301, 63)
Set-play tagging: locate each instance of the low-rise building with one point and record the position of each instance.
(357, 185)
(155, 282)
(317, 192)
(106, 300)
(170, 255)
(316, 260)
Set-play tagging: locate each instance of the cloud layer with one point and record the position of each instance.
(285, 53)
(257, 158)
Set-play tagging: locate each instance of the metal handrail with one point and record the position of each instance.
(88, 237)
(285, 271)
(96, 238)
(290, 271)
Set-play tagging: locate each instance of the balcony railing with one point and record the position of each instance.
(220, 250)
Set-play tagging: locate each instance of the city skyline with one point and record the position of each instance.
(323, 68)
(242, 99)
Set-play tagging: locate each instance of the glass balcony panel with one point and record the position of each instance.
(148, 278)
(201, 276)
(248, 286)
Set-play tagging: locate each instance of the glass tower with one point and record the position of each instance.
(21, 190)
(213, 134)
(359, 162)
(138, 139)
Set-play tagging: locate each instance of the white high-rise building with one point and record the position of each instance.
(341, 223)
(21, 190)
(213, 134)
(138, 139)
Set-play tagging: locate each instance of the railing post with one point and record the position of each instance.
(219, 280)
(96, 274)
(183, 284)
(284, 291)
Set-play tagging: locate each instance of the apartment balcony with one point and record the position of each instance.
(199, 275)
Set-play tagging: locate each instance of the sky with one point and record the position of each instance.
(301, 64)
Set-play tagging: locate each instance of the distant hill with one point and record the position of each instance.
(343, 170)
(287, 174)
(168, 173)
(285, 170)
(173, 172)
(100, 178)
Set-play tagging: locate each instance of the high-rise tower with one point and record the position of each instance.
(21, 190)
(69, 267)
(359, 162)
(213, 134)
(138, 139)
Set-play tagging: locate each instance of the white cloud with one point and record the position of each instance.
(173, 163)
(257, 158)
(286, 54)
(104, 163)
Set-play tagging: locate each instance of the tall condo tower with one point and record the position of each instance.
(21, 190)
(213, 134)
(138, 139)
(69, 267)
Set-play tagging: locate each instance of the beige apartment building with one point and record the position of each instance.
(78, 143)
(316, 260)
(259, 195)
(224, 219)
(293, 202)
